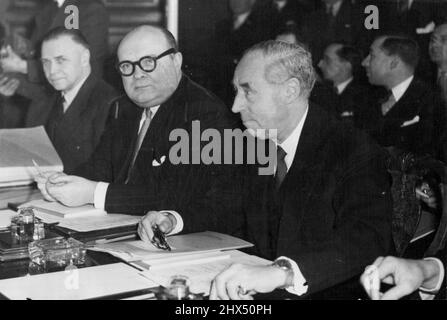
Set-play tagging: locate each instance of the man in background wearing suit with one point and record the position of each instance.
(131, 170)
(410, 115)
(340, 66)
(25, 66)
(248, 25)
(75, 115)
(326, 212)
(335, 21)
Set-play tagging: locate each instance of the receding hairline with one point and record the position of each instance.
(143, 30)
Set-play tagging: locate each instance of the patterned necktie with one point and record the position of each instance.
(142, 133)
(388, 104)
(281, 167)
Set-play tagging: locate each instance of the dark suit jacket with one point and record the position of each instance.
(94, 25)
(229, 44)
(348, 24)
(332, 214)
(208, 193)
(76, 133)
(422, 136)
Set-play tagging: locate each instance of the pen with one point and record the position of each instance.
(39, 171)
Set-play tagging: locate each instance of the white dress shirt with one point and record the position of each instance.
(59, 3)
(342, 86)
(71, 94)
(399, 90)
(99, 197)
(239, 20)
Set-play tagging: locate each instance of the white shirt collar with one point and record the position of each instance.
(399, 90)
(144, 115)
(280, 4)
(291, 143)
(71, 94)
(342, 86)
(336, 7)
(59, 3)
(240, 19)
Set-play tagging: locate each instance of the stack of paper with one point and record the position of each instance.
(200, 269)
(76, 284)
(54, 211)
(18, 148)
(181, 245)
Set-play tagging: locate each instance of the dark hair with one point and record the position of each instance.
(405, 48)
(350, 54)
(74, 34)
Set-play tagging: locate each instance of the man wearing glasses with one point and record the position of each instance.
(130, 171)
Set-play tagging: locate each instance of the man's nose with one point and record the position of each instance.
(365, 61)
(139, 73)
(238, 105)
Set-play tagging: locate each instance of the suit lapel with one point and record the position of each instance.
(73, 116)
(406, 107)
(301, 179)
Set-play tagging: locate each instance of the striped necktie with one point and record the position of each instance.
(147, 116)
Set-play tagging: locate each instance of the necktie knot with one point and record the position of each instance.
(281, 167)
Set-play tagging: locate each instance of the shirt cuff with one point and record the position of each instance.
(179, 225)
(99, 198)
(428, 293)
(299, 286)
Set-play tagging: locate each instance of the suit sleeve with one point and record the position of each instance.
(361, 232)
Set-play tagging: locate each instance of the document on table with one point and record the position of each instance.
(76, 284)
(5, 218)
(181, 245)
(109, 221)
(46, 209)
(201, 271)
(18, 148)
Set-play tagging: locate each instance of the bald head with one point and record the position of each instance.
(149, 89)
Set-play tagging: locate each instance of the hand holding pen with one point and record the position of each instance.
(154, 227)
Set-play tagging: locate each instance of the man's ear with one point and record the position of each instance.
(394, 63)
(85, 57)
(178, 60)
(292, 90)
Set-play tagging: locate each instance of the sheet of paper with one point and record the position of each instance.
(180, 244)
(60, 211)
(201, 274)
(111, 220)
(5, 218)
(19, 147)
(84, 283)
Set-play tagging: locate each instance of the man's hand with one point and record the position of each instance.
(42, 179)
(8, 86)
(71, 191)
(11, 61)
(165, 221)
(240, 282)
(405, 275)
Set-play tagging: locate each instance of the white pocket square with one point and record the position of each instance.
(155, 163)
(429, 28)
(410, 122)
(347, 114)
